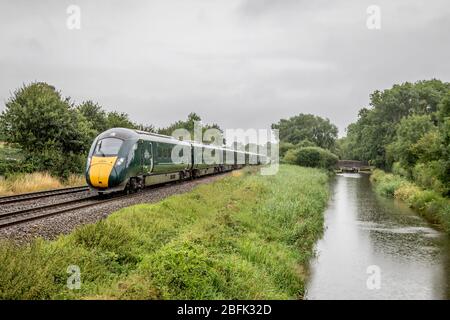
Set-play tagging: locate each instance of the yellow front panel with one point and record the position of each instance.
(101, 168)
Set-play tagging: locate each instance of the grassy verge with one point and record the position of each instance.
(37, 181)
(246, 237)
(430, 204)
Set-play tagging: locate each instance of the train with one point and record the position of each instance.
(122, 159)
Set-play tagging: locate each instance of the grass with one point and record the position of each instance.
(37, 181)
(430, 204)
(246, 236)
(11, 158)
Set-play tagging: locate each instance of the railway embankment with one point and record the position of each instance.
(245, 236)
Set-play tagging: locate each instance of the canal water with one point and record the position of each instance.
(377, 248)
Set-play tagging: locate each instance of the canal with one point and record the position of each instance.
(377, 248)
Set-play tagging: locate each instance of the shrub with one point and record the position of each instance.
(390, 185)
(399, 170)
(58, 163)
(406, 192)
(376, 175)
(429, 203)
(427, 175)
(285, 147)
(316, 157)
(386, 183)
(305, 143)
(290, 156)
(420, 200)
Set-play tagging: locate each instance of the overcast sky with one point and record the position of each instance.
(238, 63)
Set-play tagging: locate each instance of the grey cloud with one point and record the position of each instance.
(240, 63)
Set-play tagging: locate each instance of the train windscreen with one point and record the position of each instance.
(108, 147)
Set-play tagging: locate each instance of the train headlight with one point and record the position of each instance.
(119, 161)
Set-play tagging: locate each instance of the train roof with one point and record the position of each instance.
(120, 133)
(126, 134)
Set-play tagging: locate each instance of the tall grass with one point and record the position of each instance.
(244, 237)
(37, 181)
(75, 180)
(429, 204)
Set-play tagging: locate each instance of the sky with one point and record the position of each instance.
(237, 63)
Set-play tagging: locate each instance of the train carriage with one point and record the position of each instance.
(126, 159)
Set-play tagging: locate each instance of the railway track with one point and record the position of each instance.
(20, 216)
(40, 194)
(11, 218)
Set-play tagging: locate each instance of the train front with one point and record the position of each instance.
(106, 165)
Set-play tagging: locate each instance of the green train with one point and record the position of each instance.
(125, 159)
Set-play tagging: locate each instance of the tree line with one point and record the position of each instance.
(55, 134)
(406, 130)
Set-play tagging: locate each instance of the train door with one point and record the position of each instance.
(147, 157)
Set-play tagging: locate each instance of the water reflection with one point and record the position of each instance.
(363, 229)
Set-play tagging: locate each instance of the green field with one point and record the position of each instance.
(246, 236)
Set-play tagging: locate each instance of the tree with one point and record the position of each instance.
(315, 129)
(189, 125)
(376, 126)
(410, 130)
(146, 127)
(95, 115)
(407, 130)
(315, 157)
(37, 116)
(52, 133)
(444, 131)
(119, 120)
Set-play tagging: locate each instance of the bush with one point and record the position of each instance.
(316, 157)
(386, 183)
(421, 200)
(58, 163)
(285, 147)
(427, 176)
(290, 156)
(406, 192)
(399, 170)
(429, 203)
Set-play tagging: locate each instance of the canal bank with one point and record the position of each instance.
(377, 248)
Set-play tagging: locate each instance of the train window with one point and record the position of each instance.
(108, 147)
(169, 151)
(164, 151)
(130, 157)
